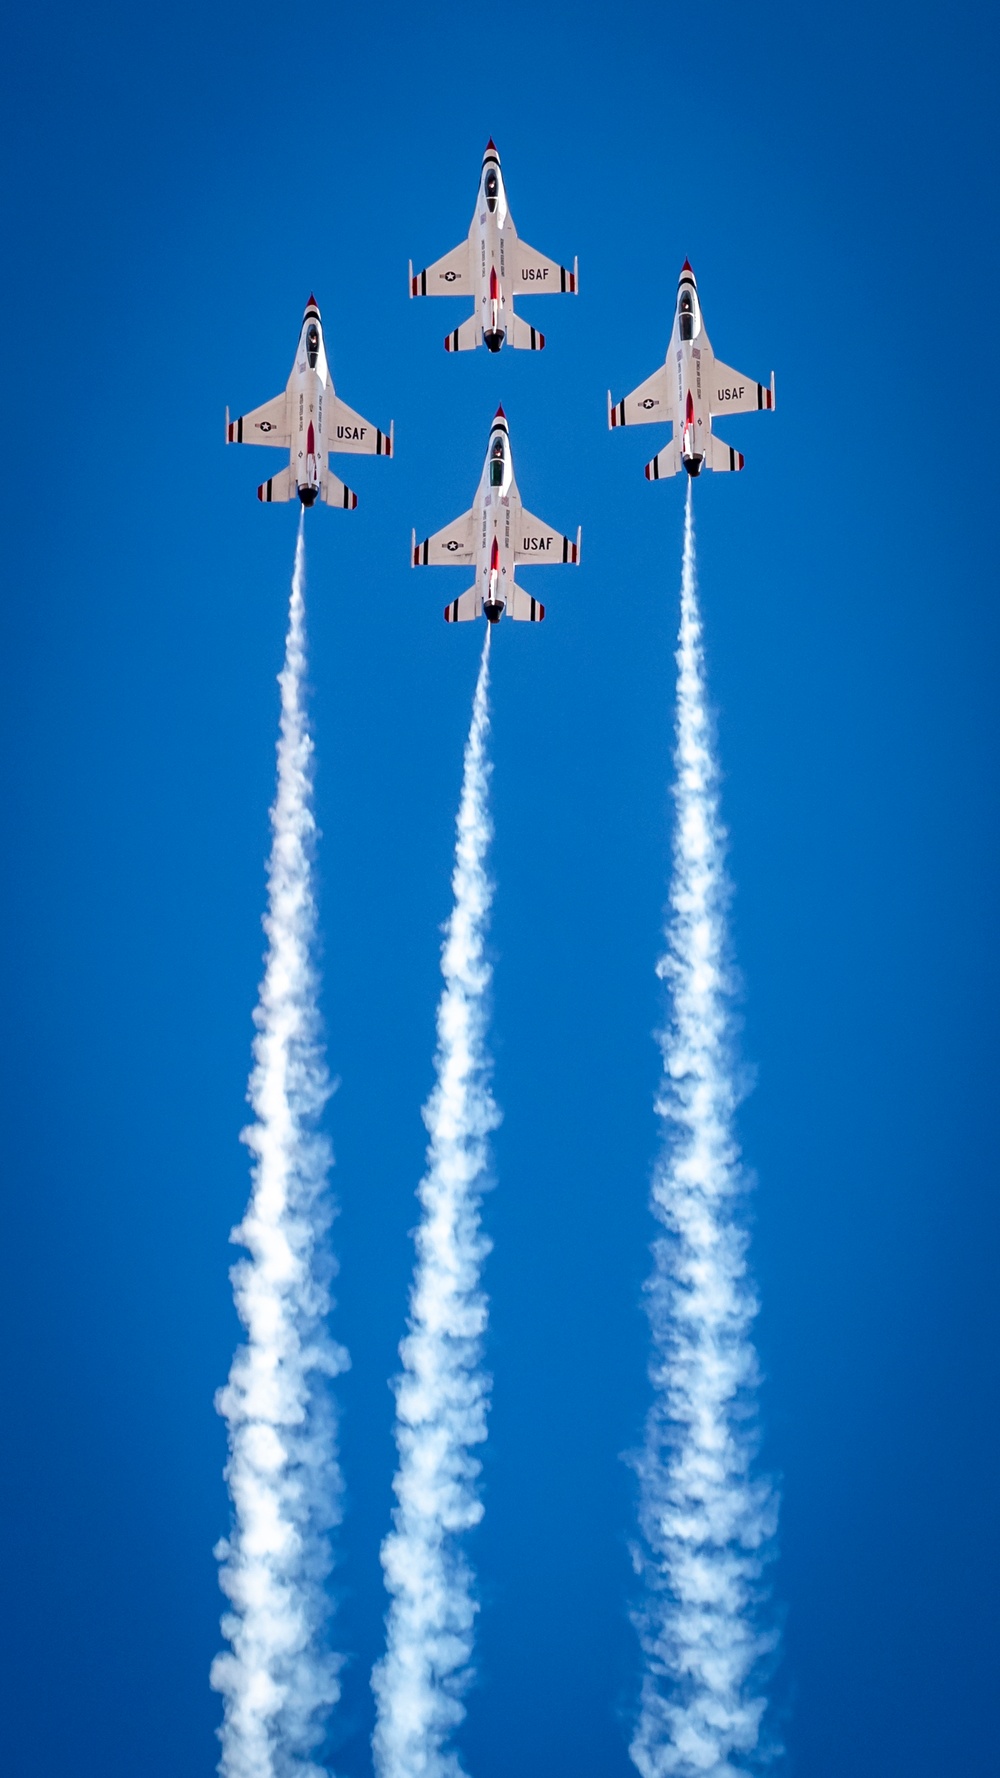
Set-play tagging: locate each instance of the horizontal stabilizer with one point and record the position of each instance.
(523, 337)
(280, 487)
(722, 456)
(666, 462)
(463, 610)
(337, 493)
(465, 338)
(523, 608)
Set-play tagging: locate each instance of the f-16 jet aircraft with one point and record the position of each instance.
(309, 421)
(687, 392)
(490, 266)
(498, 535)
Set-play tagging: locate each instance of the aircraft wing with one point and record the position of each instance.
(263, 425)
(650, 402)
(455, 543)
(535, 541)
(348, 431)
(450, 276)
(732, 393)
(538, 275)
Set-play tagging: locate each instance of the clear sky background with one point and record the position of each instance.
(177, 180)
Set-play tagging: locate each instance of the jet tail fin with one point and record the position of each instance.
(278, 487)
(337, 493)
(464, 609)
(523, 608)
(523, 337)
(666, 462)
(465, 338)
(722, 456)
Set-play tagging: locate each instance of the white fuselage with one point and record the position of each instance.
(491, 235)
(308, 391)
(498, 507)
(689, 366)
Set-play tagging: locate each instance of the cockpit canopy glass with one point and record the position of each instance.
(496, 462)
(491, 187)
(687, 313)
(312, 344)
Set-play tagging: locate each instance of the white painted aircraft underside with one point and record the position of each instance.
(498, 535)
(491, 265)
(687, 392)
(309, 420)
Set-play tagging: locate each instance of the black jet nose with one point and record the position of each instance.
(308, 496)
(494, 610)
(493, 340)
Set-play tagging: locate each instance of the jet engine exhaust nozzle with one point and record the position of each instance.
(493, 610)
(694, 465)
(493, 339)
(308, 496)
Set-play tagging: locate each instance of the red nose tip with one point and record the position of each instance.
(500, 415)
(491, 146)
(686, 267)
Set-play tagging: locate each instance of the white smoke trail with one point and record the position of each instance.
(279, 1678)
(705, 1519)
(442, 1395)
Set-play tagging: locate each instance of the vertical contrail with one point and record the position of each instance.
(705, 1519)
(279, 1677)
(442, 1395)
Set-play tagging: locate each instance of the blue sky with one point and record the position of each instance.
(177, 181)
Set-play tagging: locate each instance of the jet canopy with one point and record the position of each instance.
(498, 458)
(312, 344)
(491, 188)
(688, 313)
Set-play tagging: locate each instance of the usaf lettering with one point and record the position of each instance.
(529, 273)
(533, 543)
(357, 432)
(731, 394)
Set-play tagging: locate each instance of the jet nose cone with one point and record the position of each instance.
(312, 303)
(687, 270)
(500, 415)
(491, 147)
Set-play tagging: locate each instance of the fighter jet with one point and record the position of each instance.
(498, 535)
(687, 392)
(490, 266)
(309, 421)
